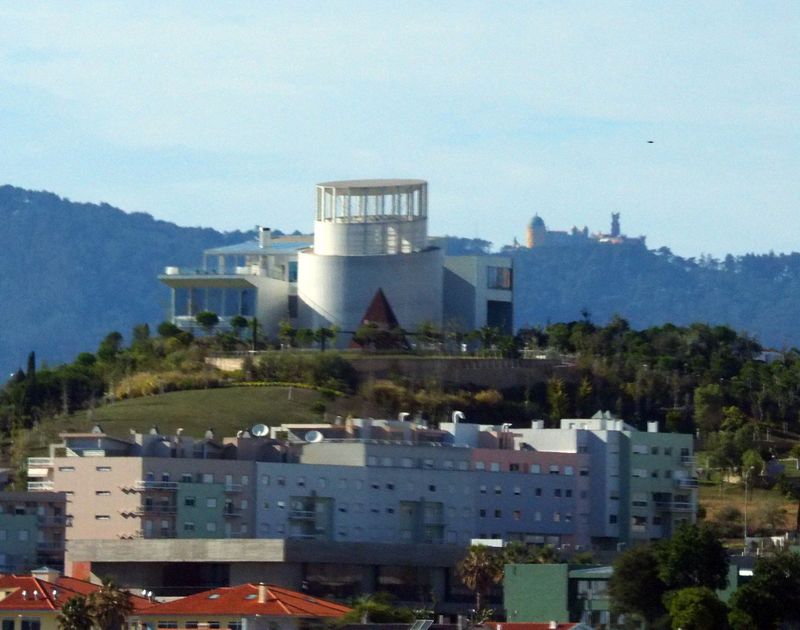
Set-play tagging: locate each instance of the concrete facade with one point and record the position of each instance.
(32, 530)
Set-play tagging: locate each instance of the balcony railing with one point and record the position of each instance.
(54, 521)
(39, 486)
(675, 506)
(40, 462)
(156, 509)
(688, 460)
(302, 515)
(231, 512)
(686, 483)
(155, 485)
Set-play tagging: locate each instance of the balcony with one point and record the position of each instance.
(231, 488)
(40, 462)
(302, 515)
(688, 460)
(40, 486)
(54, 521)
(686, 483)
(675, 506)
(231, 512)
(143, 485)
(156, 509)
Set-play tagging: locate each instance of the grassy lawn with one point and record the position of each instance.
(226, 410)
(762, 505)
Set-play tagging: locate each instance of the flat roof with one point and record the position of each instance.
(373, 183)
(252, 248)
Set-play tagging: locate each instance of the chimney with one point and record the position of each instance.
(262, 593)
(264, 237)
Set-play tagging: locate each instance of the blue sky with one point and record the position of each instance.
(227, 114)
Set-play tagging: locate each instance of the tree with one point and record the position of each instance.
(697, 608)
(635, 586)
(708, 412)
(304, 337)
(207, 321)
(377, 608)
(480, 569)
(75, 614)
(110, 605)
(286, 332)
(110, 346)
(324, 334)
(694, 556)
(168, 329)
(238, 323)
(771, 596)
(557, 399)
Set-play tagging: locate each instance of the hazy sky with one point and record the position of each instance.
(227, 114)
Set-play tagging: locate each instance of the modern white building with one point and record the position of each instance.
(369, 236)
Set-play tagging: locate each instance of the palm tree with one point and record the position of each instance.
(110, 605)
(480, 569)
(75, 614)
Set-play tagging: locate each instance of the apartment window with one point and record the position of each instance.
(482, 513)
(211, 502)
(407, 462)
(191, 625)
(103, 468)
(390, 486)
(186, 478)
(243, 504)
(554, 469)
(557, 492)
(102, 517)
(23, 535)
(567, 517)
(245, 480)
(494, 467)
(208, 478)
(612, 519)
(498, 278)
(102, 493)
(569, 471)
(281, 505)
(462, 465)
(498, 513)
(480, 466)
(537, 516)
(513, 467)
(30, 624)
(237, 625)
(556, 517)
(432, 488)
(211, 527)
(390, 510)
(301, 482)
(167, 624)
(375, 486)
(517, 490)
(281, 481)
(498, 490)
(427, 463)
(447, 464)
(372, 460)
(654, 474)
(482, 489)
(343, 508)
(188, 526)
(164, 476)
(639, 473)
(654, 450)
(537, 492)
(189, 501)
(66, 469)
(583, 472)
(386, 461)
(8, 624)
(568, 493)
(667, 450)
(667, 474)
(516, 514)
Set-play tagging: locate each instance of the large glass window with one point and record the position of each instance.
(498, 278)
(338, 581)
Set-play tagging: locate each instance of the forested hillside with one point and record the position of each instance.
(759, 294)
(70, 272)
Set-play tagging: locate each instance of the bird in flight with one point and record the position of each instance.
(650, 141)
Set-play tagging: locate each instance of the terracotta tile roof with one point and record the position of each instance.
(42, 595)
(243, 600)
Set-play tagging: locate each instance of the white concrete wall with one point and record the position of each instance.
(338, 289)
(370, 238)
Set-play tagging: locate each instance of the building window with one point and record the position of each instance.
(264, 480)
(281, 505)
(498, 513)
(494, 467)
(30, 624)
(568, 493)
(482, 513)
(208, 478)
(167, 624)
(583, 472)
(513, 467)
(245, 480)
(189, 501)
(281, 481)
(427, 463)
(301, 482)
(188, 526)
(517, 514)
(211, 527)
(102, 493)
(569, 471)
(554, 469)
(372, 460)
(480, 466)
(211, 502)
(654, 474)
(567, 517)
(517, 490)
(447, 464)
(243, 504)
(432, 488)
(186, 478)
(66, 469)
(498, 278)
(390, 486)
(407, 462)
(557, 492)
(667, 450)
(498, 490)
(386, 461)
(654, 450)
(537, 516)
(537, 492)
(556, 517)
(102, 517)
(612, 519)
(462, 465)
(103, 468)
(23, 535)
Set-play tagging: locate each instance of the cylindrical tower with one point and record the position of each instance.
(370, 235)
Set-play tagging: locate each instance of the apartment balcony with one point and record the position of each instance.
(302, 515)
(41, 486)
(686, 483)
(54, 521)
(675, 506)
(143, 510)
(231, 512)
(144, 485)
(37, 464)
(688, 460)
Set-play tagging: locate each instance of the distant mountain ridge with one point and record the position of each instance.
(71, 272)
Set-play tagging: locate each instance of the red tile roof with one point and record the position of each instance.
(243, 600)
(42, 595)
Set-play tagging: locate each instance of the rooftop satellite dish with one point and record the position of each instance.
(314, 437)
(260, 430)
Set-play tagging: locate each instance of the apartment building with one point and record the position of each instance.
(32, 530)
